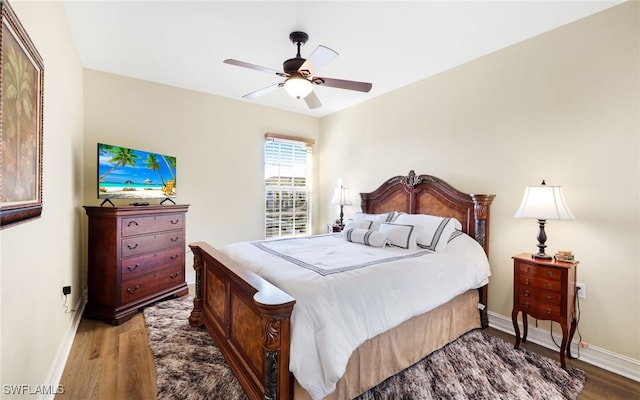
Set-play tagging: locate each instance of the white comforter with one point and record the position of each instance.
(345, 293)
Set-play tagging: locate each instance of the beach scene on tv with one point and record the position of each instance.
(125, 173)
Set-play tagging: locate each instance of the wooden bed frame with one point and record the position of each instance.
(249, 318)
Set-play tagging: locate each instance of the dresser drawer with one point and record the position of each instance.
(541, 272)
(539, 283)
(148, 243)
(150, 284)
(145, 224)
(133, 267)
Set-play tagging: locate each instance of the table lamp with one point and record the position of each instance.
(342, 198)
(543, 203)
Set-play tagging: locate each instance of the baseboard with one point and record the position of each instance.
(601, 358)
(57, 369)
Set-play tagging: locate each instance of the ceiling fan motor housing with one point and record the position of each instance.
(292, 65)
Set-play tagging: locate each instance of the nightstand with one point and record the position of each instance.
(545, 290)
(334, 228)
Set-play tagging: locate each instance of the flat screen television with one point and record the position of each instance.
(125, 173)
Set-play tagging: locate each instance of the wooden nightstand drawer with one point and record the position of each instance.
(541, 310)
(540, 283)
(541, 272)
(539, 295)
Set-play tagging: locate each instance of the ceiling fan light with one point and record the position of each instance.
(298, 87)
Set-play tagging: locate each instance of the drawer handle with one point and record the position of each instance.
(175, 239)
(174, 276)
(175, 256)
(527, 281)
(527, 305)
(174, 221)
(549, 298)
(549, 286)
(132, 247)
(527, 293)
(548, 311)
(549, 274)
(132, 223)
(133, 268)
(135, 289)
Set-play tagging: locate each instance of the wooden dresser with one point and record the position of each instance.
(545, 290)
(136, 256)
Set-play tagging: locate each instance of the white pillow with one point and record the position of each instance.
(360, 224)
(435, 231)
(403, 236)
(364, 236)
(376, 218)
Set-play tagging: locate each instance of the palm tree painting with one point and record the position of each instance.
(19, 117)
(21, 92)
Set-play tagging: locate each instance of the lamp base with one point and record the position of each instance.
(541, 256)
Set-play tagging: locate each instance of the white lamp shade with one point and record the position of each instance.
(544, 202)
(341, 197)
(298, 87)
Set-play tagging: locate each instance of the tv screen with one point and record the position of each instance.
(125, 173)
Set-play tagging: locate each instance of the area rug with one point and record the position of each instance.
(189, 366)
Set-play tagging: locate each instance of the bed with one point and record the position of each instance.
(250, 318)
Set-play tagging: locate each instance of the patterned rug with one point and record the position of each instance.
(476, 366)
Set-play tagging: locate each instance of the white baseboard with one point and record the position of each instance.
(601, 358)
(57, 369)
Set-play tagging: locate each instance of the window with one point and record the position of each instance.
(287, 181)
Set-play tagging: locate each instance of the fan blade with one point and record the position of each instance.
(254, 66)
(262, 91)
(312, 101)
(342, 84)
(320, 57)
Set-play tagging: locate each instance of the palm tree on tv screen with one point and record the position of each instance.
(152, 163)
(170, 162)
(120, 156)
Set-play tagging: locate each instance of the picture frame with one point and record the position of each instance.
(21, 125)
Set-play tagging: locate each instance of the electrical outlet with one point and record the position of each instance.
(582, 290)
(66, 290)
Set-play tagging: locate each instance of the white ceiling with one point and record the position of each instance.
(390, 44)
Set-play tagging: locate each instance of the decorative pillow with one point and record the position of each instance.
(398, 235)
(376, 218)
(358, 224)
(364, 236)
(435, 231)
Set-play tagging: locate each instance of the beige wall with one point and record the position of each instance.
(218, 144)
(563, 106)
(40, 256)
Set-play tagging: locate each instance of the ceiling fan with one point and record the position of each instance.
(299, 73)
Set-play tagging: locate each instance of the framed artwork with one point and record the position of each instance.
(21, 96)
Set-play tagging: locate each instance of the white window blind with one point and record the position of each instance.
(287, 179)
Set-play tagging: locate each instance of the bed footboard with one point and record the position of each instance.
(248, 318)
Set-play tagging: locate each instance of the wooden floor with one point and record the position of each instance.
(115, 362)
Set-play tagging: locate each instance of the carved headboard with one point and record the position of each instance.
(426, 194)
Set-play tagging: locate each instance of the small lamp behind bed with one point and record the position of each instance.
(542, 203)
(342, 198)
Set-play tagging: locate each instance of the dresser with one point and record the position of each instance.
(136, 256)
(546, 290)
